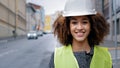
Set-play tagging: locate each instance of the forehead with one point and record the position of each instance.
(79, 17)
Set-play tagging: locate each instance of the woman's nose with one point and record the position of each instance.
(79, 26)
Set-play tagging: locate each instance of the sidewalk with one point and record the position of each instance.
(7, 39)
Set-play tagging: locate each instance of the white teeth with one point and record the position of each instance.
(80, 33)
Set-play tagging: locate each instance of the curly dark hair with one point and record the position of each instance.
(99, 29)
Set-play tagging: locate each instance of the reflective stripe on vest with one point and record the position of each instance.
(64, 58)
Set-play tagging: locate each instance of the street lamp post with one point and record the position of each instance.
(110, 17)
(16, 17)
(115, 31)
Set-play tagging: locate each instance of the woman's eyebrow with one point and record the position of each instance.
(85, 18)
(76, 19)
(72, 18)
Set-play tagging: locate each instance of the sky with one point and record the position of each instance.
(50, 6)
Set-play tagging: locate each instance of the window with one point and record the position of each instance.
(117, 27)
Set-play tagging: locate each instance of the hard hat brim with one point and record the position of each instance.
(67, 14)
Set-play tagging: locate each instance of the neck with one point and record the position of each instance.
(80, 46)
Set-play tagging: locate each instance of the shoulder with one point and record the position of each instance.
(103, 51)
(102, 55)
(100, 48)
(60, 48)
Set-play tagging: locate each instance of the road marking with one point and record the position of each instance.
(6, 53)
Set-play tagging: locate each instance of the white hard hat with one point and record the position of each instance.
(79, 8)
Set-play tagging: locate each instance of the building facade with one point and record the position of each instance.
(49, 21)
(12, 18)
(35, 17)
(108, 7)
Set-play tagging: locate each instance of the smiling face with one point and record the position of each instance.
(79, 28)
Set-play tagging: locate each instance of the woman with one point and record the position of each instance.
(80, 34)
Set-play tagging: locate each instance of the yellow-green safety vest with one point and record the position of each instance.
(64, 58)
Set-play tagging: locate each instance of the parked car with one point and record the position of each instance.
(32, 35)
(40, 33)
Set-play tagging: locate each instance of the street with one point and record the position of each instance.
(25, 53)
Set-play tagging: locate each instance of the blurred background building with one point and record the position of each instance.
(12, 18)
(49, 21)
(111, 17)
(106, 8)
(35, 17)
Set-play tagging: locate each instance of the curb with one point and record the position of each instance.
(113, 48)
(5, 40)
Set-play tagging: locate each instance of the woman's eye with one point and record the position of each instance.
(85, 22)
(74, 22)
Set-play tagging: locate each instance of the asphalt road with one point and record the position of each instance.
(25, 53)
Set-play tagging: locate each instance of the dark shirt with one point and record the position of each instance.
(82, 58)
